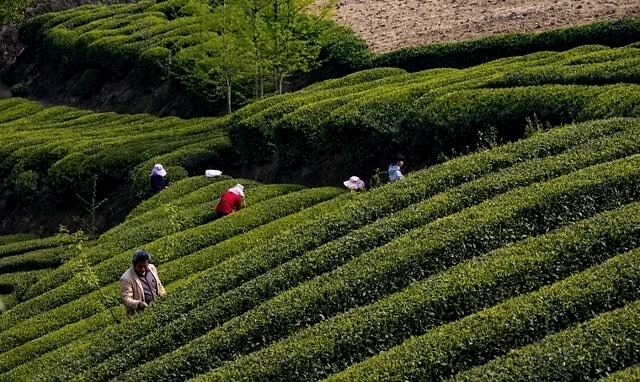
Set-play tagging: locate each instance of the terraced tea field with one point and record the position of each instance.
(525, 247)
(512, 255)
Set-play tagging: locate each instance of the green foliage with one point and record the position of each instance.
(331, 255)
(176, 173)
(154, 63)
(177, 190)
(225, 51)
(433, 114)
(17, 248)
(415, 255)
(14, 238)
(26, 183)
(628, 374)
(18, 282)
(118, 336)
(39, 259)
(164, 249)
(481, 336)
(12, 11)
(356, 78)
(606, 342)
(459, 291)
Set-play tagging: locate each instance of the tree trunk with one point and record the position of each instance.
(228, 81)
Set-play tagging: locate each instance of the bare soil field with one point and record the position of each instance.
(391, 24)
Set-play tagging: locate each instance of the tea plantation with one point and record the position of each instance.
(510, 252)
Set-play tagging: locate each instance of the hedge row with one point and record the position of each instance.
(417, 254)
(456, 119)
(474, 52)
(17, 248)
(8, 239)
(482, 336)
(585, 352)
(191, 210)
(629, 374)
(20, 110)
(170, 195)
(461, 290)
(39, 259)
(424, 116)
(356, 78)
(19, 282)
(260, 130)
(332, 254)
(99, 346)
(625, 70)
(165, 249)
(55, 153)
(28, 351)
(148, 227)
(170, 247)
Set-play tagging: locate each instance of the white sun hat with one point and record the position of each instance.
(158, 170)
(238, 189)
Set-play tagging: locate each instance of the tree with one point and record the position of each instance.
(294, 38)
(235, 46)
(254, 13)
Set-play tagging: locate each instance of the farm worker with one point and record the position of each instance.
(230, 200)
(158, 181)
(394, 169)
(354, 184)
(140, 284)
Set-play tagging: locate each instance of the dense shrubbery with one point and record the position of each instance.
(527, 211)
(14, 238)
(333, 254)
(165, 249)
(629, 374)
(468, 287)
(434, 114)
(478, 338)
(183, 40)
(606, 342)
(249, 292)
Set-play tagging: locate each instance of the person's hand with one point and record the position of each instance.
(142, 305)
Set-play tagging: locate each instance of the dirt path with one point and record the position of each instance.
(391, 24)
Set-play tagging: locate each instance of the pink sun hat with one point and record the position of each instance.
(354, 183)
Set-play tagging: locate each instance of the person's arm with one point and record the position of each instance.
(239, 203)
(126, 295)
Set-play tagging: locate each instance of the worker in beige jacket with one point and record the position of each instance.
(140, 284)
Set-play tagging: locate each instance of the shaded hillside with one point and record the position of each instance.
(10, 45)
(55, 160)
(171, 58)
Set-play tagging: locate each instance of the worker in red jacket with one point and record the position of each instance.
(230, 200)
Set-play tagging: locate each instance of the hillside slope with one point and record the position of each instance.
(436, 276)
